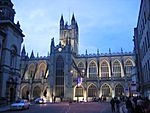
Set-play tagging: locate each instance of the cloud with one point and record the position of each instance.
(103, 24)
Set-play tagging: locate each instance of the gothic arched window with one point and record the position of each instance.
(79, 91)
(36, 92)
(59, 87)
(106, 90)
(92, 70)
(116, 69)
(31, 71)
(81, 68)
(128, 67)
(25, 92)
(104, 69)
(41, 71)
(119, 90)
(13, 57)
(92, 91)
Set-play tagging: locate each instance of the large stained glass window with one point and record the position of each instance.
(116, 69)
(59, 87)
(92, 70)
(104, 69)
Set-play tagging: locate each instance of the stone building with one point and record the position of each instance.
(142, 47)
(11, 37)
(64, 73)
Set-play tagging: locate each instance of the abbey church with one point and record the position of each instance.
(63, 73)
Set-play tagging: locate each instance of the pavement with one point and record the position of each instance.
(4, 108)
(122, 108)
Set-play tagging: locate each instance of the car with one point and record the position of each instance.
(39, 101)
(20, 105)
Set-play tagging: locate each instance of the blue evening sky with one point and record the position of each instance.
(103, 24)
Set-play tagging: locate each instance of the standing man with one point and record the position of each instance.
(112, 102)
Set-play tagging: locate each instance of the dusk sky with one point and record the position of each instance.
(103, 24)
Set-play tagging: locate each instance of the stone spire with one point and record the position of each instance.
(23, 52)
(73, 21)
(97, 51)
(52, 46)
(109, 51)
(62, 22)
(121, 50)
(86, 52)
(32, 55)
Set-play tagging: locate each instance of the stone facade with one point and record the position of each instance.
(65, 73)
(11, 38)
(142, 47)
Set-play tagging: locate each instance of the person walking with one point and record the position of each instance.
(129, 106)
(117, 101)
(112, 102)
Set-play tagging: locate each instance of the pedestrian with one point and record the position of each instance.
(129, 106)
(117, 101)
(54, 99)
(112, 102)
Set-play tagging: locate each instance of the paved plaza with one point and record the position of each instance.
(67, 108)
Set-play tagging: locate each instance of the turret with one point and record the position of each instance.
(61, 22)
(23, 52)
(73, 21)
(52, 46)
(6, 10)
(69, 34)
(32, 55)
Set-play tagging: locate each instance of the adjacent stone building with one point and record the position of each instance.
(11, 38)
(142, 47)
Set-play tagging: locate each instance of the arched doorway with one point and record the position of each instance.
(36, 92)
(11, 90)
(92, 91)
(25, 92)
(119, 90)
(106, 92)
(79, 93)
(59, 84)
(12, 94)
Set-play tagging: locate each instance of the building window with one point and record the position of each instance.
(92, 91)
(31, 71)
(36, 92)
(13, 57)
(104, 69)
(81, 68)
(92, 70)
(79, 91)
(128, 68)
(116, 69)
(25, 92)
(41, 71)
(106, 90)
(59, 87)
(119, 90)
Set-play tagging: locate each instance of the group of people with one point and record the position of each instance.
(133, 104)
(115, 102)
(138, 104)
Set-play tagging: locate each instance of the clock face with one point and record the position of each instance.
(59, 49)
